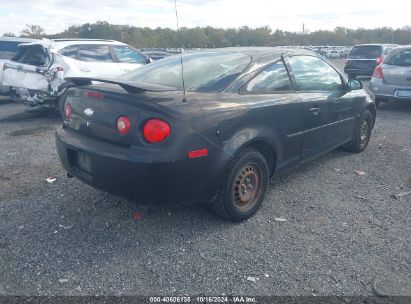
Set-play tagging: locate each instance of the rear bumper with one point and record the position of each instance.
(386, 91)
(358, 72)
(133, 173)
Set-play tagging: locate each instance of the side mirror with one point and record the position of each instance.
(354, 84)
(149, 60)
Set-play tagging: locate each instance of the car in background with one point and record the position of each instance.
(8, 49)
(157, 55)
(37, 72)
(392, 78)
(240, 116)
(363, 59)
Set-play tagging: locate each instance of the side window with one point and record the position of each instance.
(126, 54)
(95, 53)
(69, 51)
(272, 79)
(8, 49)
(314, 74)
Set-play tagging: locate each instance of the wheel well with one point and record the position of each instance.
(371, 108)
(266, 150)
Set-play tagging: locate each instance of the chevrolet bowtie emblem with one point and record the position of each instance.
(88, 112)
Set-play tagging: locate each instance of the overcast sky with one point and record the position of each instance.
(57, 15)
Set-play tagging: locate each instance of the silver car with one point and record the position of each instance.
(392, 78)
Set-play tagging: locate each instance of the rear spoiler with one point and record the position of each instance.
(129, 86)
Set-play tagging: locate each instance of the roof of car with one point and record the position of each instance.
(61, 43)
(375, 44)
(400, 47)
(261, 52)
(17, 39)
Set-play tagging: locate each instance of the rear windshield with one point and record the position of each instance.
(203, 72)
(32, 55)
(8, 49)
(365, 51)
(402, 58)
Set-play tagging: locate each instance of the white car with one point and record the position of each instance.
(8, 49)
(37, 73)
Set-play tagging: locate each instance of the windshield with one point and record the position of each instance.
(203, 72)
(366, 51)
(402, 58)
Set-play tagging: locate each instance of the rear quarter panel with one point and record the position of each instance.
(232, 121)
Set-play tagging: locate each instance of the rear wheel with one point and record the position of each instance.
(362, 134)
(243, 187)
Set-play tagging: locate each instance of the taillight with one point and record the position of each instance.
(59, 69)
(123, 125)
(68, 111)
(93, 94)
(378, 72)
(379, 60)
(156, 130)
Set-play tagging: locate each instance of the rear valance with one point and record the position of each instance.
(129, 86)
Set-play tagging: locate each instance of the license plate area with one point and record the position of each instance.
(79, 160)
(403, 93)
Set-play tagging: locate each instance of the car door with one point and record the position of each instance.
(278, 107)
(96, 60)
(128, 58)
(328, 108)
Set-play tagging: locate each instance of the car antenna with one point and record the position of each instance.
(181, 57)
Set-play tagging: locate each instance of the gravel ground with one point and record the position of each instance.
(344, 233)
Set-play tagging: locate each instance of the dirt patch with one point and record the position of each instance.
(29, 116)
(22, 179)
(31, 131)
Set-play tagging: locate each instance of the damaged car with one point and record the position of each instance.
(8, 49)
(36, 74)
(211, 126)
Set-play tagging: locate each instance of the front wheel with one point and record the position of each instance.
(243, 186)
(362, 134)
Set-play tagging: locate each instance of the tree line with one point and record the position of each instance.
(210, 37)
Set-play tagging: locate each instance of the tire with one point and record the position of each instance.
(379, 100)
(243, 186)
(362, 134)
(61, 102)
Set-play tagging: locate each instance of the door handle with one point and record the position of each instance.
(85, 70)
(315, 110)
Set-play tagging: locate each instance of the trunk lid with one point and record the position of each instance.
(96, 108)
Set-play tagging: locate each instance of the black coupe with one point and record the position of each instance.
(210, 126)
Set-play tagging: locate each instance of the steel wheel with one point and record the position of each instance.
(243, 186)
(247, 187)
(364, 132)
